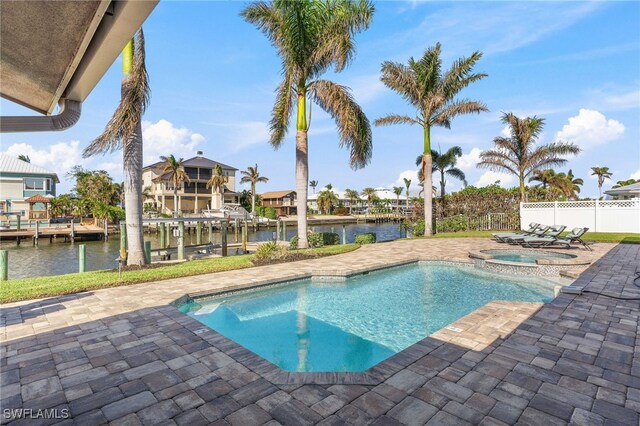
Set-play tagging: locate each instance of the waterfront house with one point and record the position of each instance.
(193, 196)
(360, 205)
(25, 189)
(284, 202)
(627, 192)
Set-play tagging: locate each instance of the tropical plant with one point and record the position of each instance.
(602, 173)
(407, 184)
(217, 182)
(622, 183)
(25, 158)
(173, 172)
(573, 185)
(326, 200)
(352, 195)
(445, 164)
(311, 37)
(433, 94)
(62, 205)
(518, 153)
(313, 184)
(95, 186)
(124, 131)
(251, 175)
(371, 196)
(398, 191)
(545, 177)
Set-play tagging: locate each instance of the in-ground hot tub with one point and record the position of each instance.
(526, 262)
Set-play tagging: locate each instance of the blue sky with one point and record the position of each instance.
(213, 77)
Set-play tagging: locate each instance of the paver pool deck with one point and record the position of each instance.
(126, 356)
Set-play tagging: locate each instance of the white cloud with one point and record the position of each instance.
(239, 135)
(590, 128)
(162, 138)
(366, 88)
(59, 157)
(469, 161)
(111, 167)
(506, 131)
(408, 174)
(489, 177)
(635, 175)
(624, 101)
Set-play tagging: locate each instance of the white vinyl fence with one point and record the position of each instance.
(598, 216)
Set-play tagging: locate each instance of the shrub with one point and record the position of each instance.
(413, 228)
(269, 212)
(330, 238)
(368, 238)
(294, 243)
(317, 239)
(270, 251)
(341, 211)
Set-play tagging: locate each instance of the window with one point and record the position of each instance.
(37, 184)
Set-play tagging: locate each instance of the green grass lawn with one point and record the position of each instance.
(38, 287)
(603, 237)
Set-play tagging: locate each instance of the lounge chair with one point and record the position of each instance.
(502, 236)
(574, 236)
(540, 232)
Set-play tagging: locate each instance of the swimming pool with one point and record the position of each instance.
(525, 256)
(353, 324)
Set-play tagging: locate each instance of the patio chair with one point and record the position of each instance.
(501, 236)
(540, 232)
(566, 241)
(545, 240)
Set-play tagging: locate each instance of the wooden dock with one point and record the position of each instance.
(67, 231)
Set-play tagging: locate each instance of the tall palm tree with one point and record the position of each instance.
(24, 158)
(370, 195)
(124, 131)
(313, 185)
(433, 94)
(217, 182)
(519, 155)
(326, 200)
(602, 173)
(311, 37)
(253, 176)
(545, 177)
(574, 184)
(173, 171)
(398, 191)
(407, 184)
(352, 195)
(446, 165)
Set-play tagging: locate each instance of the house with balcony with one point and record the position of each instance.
(25, 189)
(284, 202)
(193, 195)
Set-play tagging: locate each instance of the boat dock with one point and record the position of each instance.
(69, 232)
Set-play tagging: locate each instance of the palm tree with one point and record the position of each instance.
(124, 131)
(445, 164)
(407, 184)
(574, 184)
(433, 94)
(217, 182)
(352, 195)
(313, 184)
(602, 173)
(625, 183)
(519, 155)
(398, 191)
(545, 177)
(326, 200)
(311, 37)
(24, 158)
(173, 171)
(253, 176)
(370, 195)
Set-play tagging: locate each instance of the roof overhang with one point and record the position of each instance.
(54, 50)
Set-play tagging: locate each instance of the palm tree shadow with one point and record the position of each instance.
(19, 314)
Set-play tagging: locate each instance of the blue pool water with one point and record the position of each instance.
(525, 256)
(351, 325)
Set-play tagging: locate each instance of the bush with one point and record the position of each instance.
(270, 251)
(341, 211)
(317, 239)
(293, 244)
(270, 213)
(415, 229)
(368, 238)
(330, 238)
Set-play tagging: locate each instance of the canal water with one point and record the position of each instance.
(59, 257)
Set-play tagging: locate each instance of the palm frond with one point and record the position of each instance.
(498, 161)
(395, 119)
(443, 116)
(353, 125)
(403, 80)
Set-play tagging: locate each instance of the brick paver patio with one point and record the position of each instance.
(126, 356)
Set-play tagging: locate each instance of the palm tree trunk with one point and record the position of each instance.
(253, 198)
(175, 199)
(428, 183)
(302, 176)
(522, 194)
(132, 160)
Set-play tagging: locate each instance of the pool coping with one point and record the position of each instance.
(374, 375)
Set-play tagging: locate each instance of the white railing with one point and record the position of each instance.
(597, 215)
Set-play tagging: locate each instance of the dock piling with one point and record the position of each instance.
(198, 233)
(284, 230)
(36, 236)
(4, 265)
(18, 227)
(147, 251)
(181, 240)
(245, 231)
(123, 241)
(235, 229)
(162, 235)
(73, 231)
(278, 230)
(82, 258)
(344, 234)
(223, 231)
(210, 232)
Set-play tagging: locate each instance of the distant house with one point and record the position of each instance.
(627, 192)
(360, 205)
(25, 189)
(284, 202)
(193, 196)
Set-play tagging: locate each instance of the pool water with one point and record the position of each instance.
(525, 256)
(353, 324)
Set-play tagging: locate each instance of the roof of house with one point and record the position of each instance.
(38, 199)
(634, 188)
(276, 194)
(9, 164)
(197, 161)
